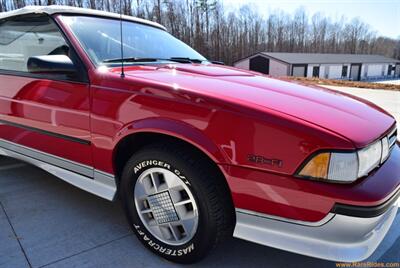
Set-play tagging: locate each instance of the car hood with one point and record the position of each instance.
(358, 120)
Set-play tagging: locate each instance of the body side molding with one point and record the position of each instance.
(84, 177)
(45, 132)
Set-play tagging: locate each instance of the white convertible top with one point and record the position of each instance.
(55, 9)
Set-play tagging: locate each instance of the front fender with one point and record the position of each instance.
(176, 129)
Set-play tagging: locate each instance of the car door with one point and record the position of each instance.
(43, 115)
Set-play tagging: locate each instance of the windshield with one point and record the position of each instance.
(100, 37)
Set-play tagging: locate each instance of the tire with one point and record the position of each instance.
(184, 222)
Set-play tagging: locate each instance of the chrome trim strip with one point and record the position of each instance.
(343, 238)
(272, 217)
(84, 177)
(48, 158)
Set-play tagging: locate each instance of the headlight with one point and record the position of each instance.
(341, 167)
(346, 166)
(369, 158)
(385, 149)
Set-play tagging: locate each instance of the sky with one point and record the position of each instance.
(382, 15)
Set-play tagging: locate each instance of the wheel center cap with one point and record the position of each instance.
(162, 207)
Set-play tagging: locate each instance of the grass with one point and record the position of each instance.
(343, 83)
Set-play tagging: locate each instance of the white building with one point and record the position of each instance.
(331, 66)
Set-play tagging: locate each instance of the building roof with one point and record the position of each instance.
(309, 58)
(54, 9)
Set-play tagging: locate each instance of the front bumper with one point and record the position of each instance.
(310, 201)
(337, 237)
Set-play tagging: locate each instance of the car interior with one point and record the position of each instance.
(19, 41)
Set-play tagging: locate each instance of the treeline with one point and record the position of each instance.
(229, 36)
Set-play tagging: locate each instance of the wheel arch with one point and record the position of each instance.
(137, 135)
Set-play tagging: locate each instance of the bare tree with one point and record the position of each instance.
(228, 36)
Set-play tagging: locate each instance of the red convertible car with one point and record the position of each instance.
(196, 151)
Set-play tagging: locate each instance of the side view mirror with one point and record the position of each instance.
(60, 64)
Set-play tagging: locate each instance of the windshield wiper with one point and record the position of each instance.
(134, 59)
(186, 60)
(131, 60)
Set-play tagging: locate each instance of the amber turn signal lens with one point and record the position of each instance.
(317, 167)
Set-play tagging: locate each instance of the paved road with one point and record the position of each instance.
(45, 222)
(387, 99)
